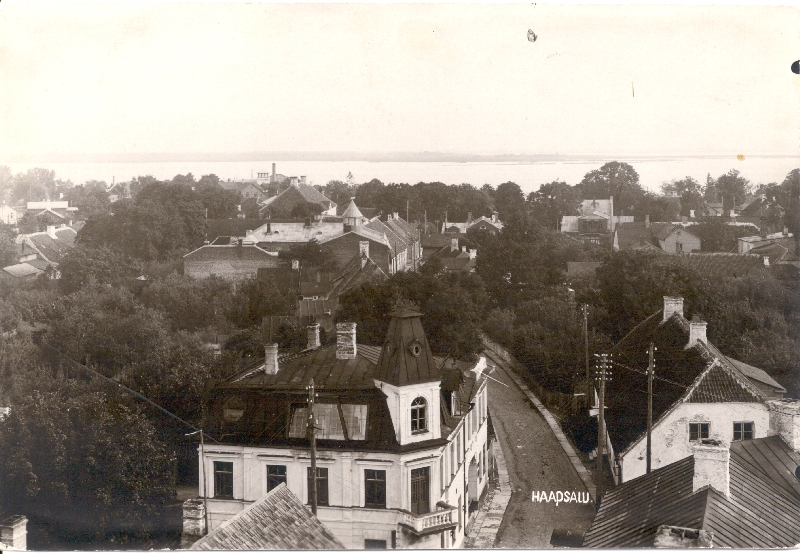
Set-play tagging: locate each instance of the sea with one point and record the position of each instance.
(528, 174)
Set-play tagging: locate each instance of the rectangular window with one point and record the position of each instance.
(322, 485)
(275, 476)
(374, 544)
(375, 488)
(698, 431)
(329, 421)
(742, 430)
(223, 479)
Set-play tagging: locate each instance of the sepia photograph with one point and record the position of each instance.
(332, 276)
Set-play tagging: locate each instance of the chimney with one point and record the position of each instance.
(669, 536)
(194, 522)
(453, 245)
(784, 420)
(272, 180)
(345, 341)
(766, 261)
(295, 265)
(313, 336)
(51, 232)
(785, 231)
(307, 222)
(472, 253)
(469, 218)
(239, 247)
(697, 331)
(672, 305)
(647, 222)
(711, 460)
(363, 248)
(733, 212)
(61, 196)
(396, 216)
(271, 359)
(303, 179)
(14, 531)
(269, 227)
(494, 217)
(464, 249)
(685, 219)
(691, 214)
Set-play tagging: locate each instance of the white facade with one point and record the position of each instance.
(670, 436)
(457, 473)
(9, 215)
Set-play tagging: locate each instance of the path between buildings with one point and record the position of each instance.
(536, 460)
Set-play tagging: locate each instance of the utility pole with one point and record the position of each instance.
(312, 435)
(586, 352)
(650, 369)
(406, 211)
(205, 496)
(603, 376)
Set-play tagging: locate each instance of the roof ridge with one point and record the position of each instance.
(640, 324)
(732, 370)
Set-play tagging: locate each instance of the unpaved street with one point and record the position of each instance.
(535, 462)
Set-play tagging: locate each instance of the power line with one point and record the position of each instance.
(126, 389)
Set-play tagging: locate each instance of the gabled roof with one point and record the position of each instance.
(633, 235)
(359, 270)
(278, 521)
(22, 271)
(49, 248)
(397, 241)
(776, 252)
(756, 374)
(757, 514)
(700, 374)
(295, 231)
(406, 358)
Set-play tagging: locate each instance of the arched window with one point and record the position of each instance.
(419, 422)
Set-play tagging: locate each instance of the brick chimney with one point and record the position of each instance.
(784, 420)
(472, 253)
(345, 341)
(363, 248)
(469, 218)
(669, 536)
(303, 179)
(313, 336)
(766, 261)
(711, 461)
(51, 232)
(697, 331)
(785, 231)
(464, 249)
(295, 265)
(494, 217)
(194, 522)
(647, 221)
(271, 359)
(453, 245)
(691, 214)
(672, 305)
(14, 531)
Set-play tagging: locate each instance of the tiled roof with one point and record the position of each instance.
(278, 521)
(698, 374)
(733, 265)
(435, 240)
(756, 374)
(229, 251)
(360, 230)
(309, 308)
(772, 459)
(757, 514)
(397, 241)
(356, 272)
(718, 385)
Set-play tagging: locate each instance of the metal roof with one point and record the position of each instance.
(278, 521)
(771, 458)
(406, 358)
(757, 515)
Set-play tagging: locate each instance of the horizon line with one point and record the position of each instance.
(356, 156)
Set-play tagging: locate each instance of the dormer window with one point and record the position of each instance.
(419, 421)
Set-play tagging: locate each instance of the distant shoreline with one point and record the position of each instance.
(411, 157)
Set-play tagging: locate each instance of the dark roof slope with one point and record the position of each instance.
(633, 235)
(406, 357)
(279, 521)
(756, 374)
(757, 514)
(698, 374)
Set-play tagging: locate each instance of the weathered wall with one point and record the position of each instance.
(671, 436)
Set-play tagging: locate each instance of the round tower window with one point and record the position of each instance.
(415, 349)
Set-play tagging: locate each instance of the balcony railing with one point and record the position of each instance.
(431, 522)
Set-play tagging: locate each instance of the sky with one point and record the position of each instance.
(121, 78)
